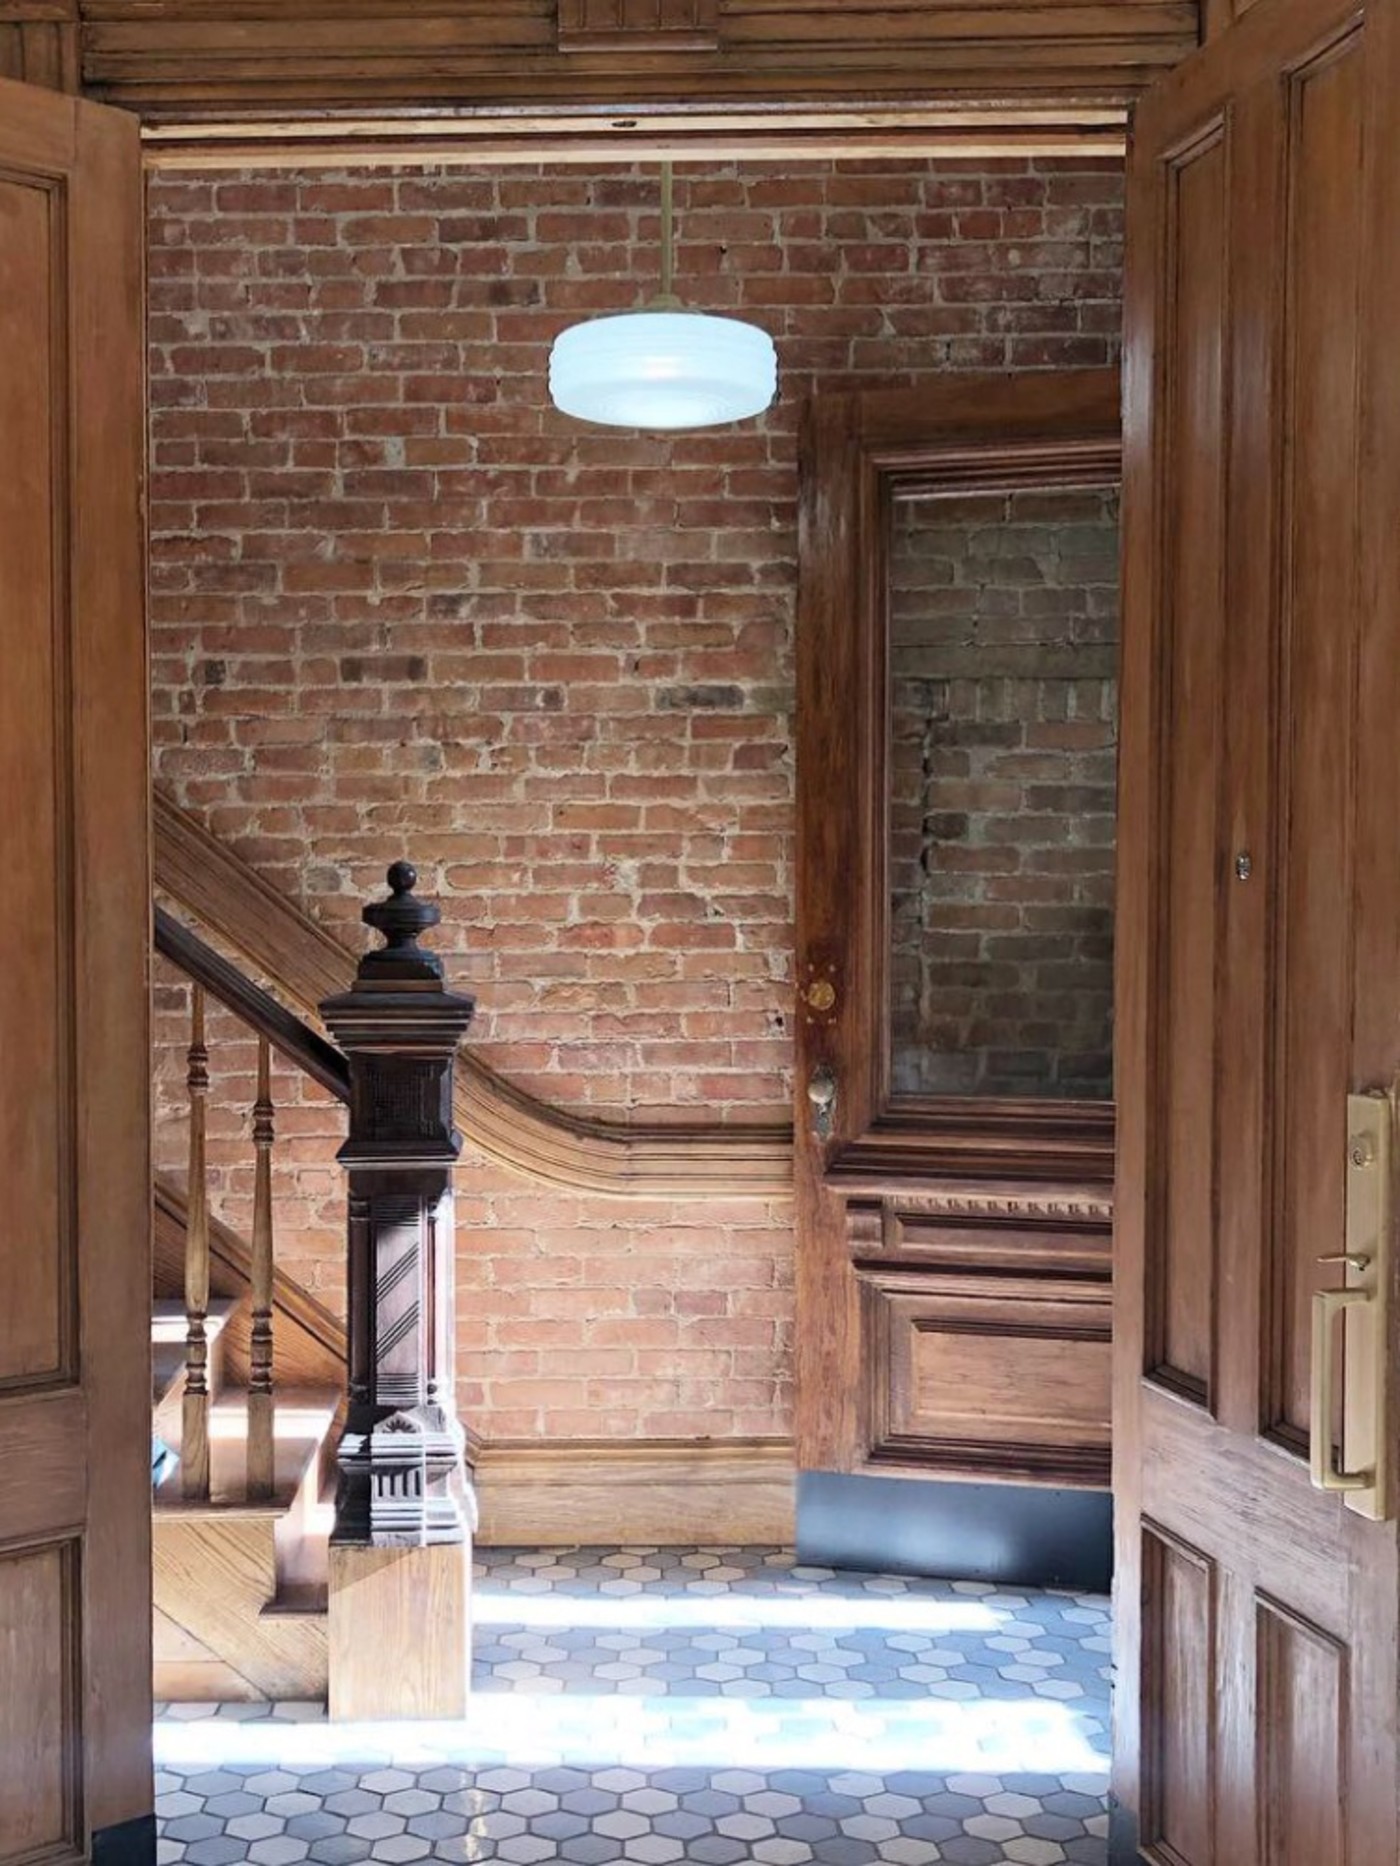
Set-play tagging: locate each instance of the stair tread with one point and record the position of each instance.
(302, 1418)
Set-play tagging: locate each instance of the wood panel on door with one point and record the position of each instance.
(1258, 934)
(75, 1225)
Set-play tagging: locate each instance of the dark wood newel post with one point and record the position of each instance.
(405, 1510)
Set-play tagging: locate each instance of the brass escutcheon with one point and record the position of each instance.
(820, 995)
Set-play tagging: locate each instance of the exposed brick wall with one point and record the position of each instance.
(1004, 620)
(400, 604)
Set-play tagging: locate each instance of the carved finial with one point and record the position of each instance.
(400, 920)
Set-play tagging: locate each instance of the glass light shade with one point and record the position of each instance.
(663, 369)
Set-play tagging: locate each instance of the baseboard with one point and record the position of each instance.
(1123, 1837)
(128, 1843)
(1033, 1535)
(665, 1493)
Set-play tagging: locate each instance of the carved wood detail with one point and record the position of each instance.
(402, 1479)
(638, 25)
(306, 964)
(42, 47)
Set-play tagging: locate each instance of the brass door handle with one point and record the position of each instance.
(1328, 1305)
(1358, 1312)
(821, 1093)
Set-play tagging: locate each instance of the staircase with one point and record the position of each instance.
(248, 1383)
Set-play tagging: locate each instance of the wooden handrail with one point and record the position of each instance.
(307, 964)
(306, 1049)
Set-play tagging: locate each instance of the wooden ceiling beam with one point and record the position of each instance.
(592, 80)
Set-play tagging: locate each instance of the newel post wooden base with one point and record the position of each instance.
(405, 1510)
(399, 1631)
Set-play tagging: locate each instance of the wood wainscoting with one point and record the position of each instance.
(986, 1340)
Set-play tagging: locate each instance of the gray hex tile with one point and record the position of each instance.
(340, 1849)
(280, 1850)
(318, 1826)
(221, 1851)
(191, 1827)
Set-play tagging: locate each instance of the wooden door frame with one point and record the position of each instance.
(905, 1200)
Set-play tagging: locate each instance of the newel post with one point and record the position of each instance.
(405, 1510)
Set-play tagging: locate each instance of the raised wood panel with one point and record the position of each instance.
(37, 1137)
(1316, 778)
(991, 1375)
(1178, 1753)
(1182, 1293)
(1300, 1714)
(40, 1733)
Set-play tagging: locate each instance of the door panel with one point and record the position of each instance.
(956, 707)
(74, 1237)
(1256, 1625)
(1180, 1328)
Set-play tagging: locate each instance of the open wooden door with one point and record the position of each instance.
(75, 1616)
(1259, 951)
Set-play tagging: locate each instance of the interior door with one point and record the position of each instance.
(1259, 951)
(957, 654)
(75, 1662)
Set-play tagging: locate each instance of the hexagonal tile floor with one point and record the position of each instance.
(708, 1705)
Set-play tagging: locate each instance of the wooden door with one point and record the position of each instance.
(954, 1136)
(75, 1661)
(1258, 939)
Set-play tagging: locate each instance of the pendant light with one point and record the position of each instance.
(664, 366)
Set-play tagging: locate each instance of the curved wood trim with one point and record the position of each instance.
(307, 964)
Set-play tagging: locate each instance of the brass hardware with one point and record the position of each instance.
(1328, 1304)
(821, 1092)
(820, 995)
(1360, 1305)
(1244, 865)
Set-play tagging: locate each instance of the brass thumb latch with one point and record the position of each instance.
(1360, 1304)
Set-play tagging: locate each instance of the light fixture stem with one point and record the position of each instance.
(668, 236)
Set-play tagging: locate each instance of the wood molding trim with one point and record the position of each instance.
(39, 44)
(307, 964)
(657, 1492)
(484, 138)
(276, 61)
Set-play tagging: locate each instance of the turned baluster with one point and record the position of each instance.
(194, 1434)
(261, 1434)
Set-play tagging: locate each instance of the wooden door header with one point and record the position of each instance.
(228, 82)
